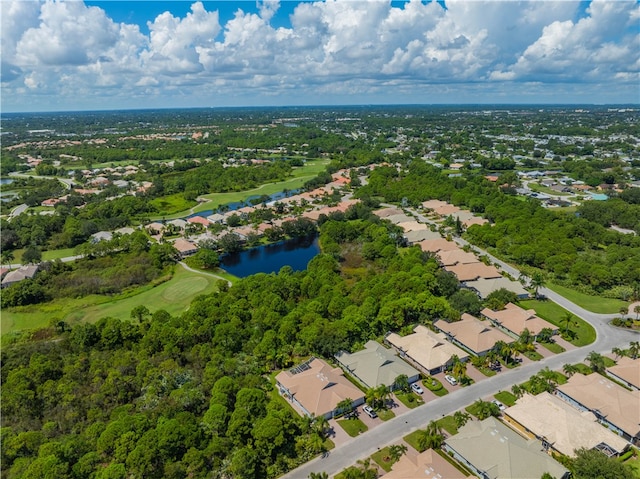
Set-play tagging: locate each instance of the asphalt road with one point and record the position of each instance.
(392, 431)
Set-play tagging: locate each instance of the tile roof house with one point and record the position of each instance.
(184, 247)
(376, 365)
(473, 271)
(484, 287)
(426, 465)
(614, 406)
(492, 450)
(474, 335)
(426, 349)
(627, 371)
(513, 320)
(433, 204)
(412, 225)
(456, 256)
(198, 220)
(23, 272)
(385, 212)
(560, 426)
(315, 388)
(438, 244)
(417, 236)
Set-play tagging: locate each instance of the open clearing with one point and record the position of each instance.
(174, 296)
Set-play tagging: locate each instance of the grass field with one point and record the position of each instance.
(382, 459)
(168, 205)
(174, 296)
(585, 334)
(215, 200)
(353, 427)
(595, 304)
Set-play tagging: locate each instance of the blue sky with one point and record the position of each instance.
(59, 55)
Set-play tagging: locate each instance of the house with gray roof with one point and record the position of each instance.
(27, 271)
(492, 450)
(376, 365)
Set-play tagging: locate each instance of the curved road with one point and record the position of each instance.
(392, 431)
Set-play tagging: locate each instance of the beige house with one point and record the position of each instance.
(386, 212)
(492, 450)
(513, 320)
(472, 334)
(433, 204)
(560, 426)
(473, 271)
(184, 247)
(627, 371)
(426, 349)
(27, 271)
(484, 287)
(427, 465)
(614, 406)
(421, 235)
(456, 256)
(438, 244)
(376, 365)
(315, 388)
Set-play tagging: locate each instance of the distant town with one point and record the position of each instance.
(425, 292)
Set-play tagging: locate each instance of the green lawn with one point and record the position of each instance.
(300, 177)
(533, 355)
(634, 464)
(448, 424)
(353, 427)
(382, 459)
(583, 369)
(412, 440)
(385, 414)
(506, 398)
(409, 399)
(174, 296)
(595, 304)
(553, 347)
(435, 386)
(585, 334)
(168, 205)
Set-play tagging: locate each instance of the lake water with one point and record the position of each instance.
(5, 181)
(598, 196)
(236, 205)
(270, 258)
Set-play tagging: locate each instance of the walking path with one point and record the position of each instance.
(189, 268)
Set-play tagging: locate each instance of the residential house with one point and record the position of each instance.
(438, 244)
(473, 271)
(417, 236)
(426, 349)
(626, 371)
(561, 427)
(315, 388)
(178, 223)
(484, 287)
(184, 247)
(614, 406)
(155, 228)
(27, 271)
(472, 334)
(412, 225)
(198, 220)
(456, 256)
(426, 465)
(433, 204)
(513, 320)
(376, 365)
(492, 450)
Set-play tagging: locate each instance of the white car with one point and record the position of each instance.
(501, 406)
(370, 412)
(415, 387)
(451, 380)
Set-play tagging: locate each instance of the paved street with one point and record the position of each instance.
(391, 432)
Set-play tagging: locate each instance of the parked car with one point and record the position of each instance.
(451, 380)
(499, 404)
(369, 411)
(415, 387)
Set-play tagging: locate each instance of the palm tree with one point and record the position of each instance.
(485, 409)
(624, 311)
(396, 451)
(7, 257)
(537, 282)
(636, 310)
(567, 318)
(634, 349)
(596, 361)
(318, 475)
(461, 418)
(320, 426)
(401, 383)
(345, 406)
(458, 368)
(618, 352)
(517, 390)
(570, 369)
(430, 438)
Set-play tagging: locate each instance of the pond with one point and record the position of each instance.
(236, 205)
(598, 196)
(270, 258)
(5, 181)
